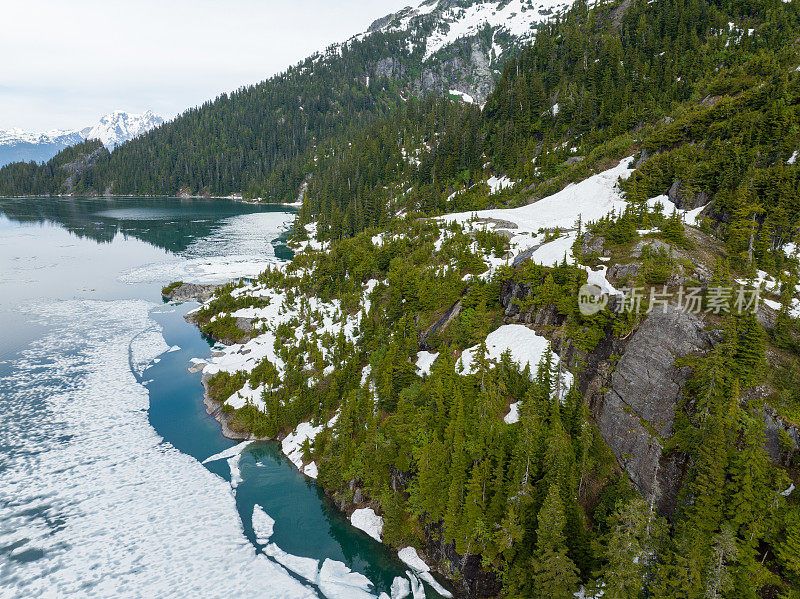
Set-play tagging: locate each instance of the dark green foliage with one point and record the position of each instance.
(730, 506)
(69, 171)
(224, 384)
(171, 287)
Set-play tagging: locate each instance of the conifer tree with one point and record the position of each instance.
(630, 549)
(788, 548)
(554, 573)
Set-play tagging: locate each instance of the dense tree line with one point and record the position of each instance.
(260, 140)
(541, 500)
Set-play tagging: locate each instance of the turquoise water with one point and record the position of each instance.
(102, 427)
(307, 524)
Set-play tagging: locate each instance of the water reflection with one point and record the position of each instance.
(168, 223)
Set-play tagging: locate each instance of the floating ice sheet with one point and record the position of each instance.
(100, 505)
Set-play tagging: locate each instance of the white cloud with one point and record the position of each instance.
(74, 61)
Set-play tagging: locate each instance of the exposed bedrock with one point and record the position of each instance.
(633, 401)
(190, 291)
(635, 415)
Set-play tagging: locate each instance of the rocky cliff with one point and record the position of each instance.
(632, 386)
(634, 405)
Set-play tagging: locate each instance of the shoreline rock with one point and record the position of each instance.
(214, 409)
(184, 292)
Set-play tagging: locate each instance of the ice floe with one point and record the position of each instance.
(241, 247)
(337, 581)
(236, 473)
(305, 567)
(411, 558)
(107, 506)
(263, 525)
(228, 453)
(367, 520)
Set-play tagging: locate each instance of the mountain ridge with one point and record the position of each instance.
(266, 135)
(113, 129)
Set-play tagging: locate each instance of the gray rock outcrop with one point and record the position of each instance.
(686, 199)
(189, 291)
(636, 415)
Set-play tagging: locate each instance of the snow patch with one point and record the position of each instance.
(367, 520)
(425, 360)
(527, 348)
(498, 184)
(463, 95)
(513, 415)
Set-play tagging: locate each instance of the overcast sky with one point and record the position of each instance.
(65, 63)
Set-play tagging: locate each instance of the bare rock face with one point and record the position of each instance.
(189, 291)
(468, 69)
(782, 438)
(622, 271)
(389, 67)
(654, 245)
(685, 199)
(636, 415)
(592, 244)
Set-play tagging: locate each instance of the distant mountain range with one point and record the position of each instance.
(113, 129)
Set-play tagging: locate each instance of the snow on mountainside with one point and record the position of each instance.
(17, 145)
(16, 135)
(119, 127)
(459, 46)
(453, 20)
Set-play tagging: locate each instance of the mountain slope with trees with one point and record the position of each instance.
(649, 473)
(261, 140)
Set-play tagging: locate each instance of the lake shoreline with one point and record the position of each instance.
(344, 506)
(214, 409)
(234, 198)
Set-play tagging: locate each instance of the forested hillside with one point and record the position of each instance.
(431, 331)
(706, 93)
(261, 141)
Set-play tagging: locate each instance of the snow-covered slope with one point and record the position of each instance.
(119, 127)
(17, 145)
(440, 23)
(459, 46)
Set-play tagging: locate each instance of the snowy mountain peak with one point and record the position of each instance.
(17, 145)
(17, 135)
(120, 126)
(446, 21)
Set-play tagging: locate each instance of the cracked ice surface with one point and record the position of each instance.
(93, 503)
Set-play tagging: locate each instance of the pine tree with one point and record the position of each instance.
(788, 548)
(630, 549)
(554, 573)
(749, 356)
(718, 578)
